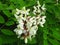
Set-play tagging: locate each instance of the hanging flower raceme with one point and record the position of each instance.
(28, 25)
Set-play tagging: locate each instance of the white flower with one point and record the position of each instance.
(38, 4)
(33, 30)
(33, 20)
(16, 16)
(23, 11)
(20, 26)
(42, 21)
(34, 11)
(43, 7)
(18, 32)
(17, 11)
(38, 9)
(27, 26)
(26, 40)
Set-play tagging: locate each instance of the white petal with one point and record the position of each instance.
(34, 7)
(38, 4)
(23, 8)
(43, 7)
(17, 9)
(28, 10)
(16, 16)
(26, 40)
(20, 32)
(41, 25)
(44, 17)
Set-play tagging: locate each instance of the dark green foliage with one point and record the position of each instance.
(33, 41)
(7, 39)
(7, 13)
(9, 23)
(7, 32)
(2, 19)
(48, 35)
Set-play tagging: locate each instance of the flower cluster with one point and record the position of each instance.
(28, 25)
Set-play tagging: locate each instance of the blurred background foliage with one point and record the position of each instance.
(48, 35)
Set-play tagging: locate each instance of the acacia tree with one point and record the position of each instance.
(47, 35)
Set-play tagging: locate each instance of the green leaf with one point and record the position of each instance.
(21, 2)
(44, 35)
(57, 11)
(9, 23)
(50, 14)
(0, 40)
(45, 42)
(7, 32)
(30, 3)
(50, 1)
(54, 41)
(11, 7)
(49, 19)
(2, 19)
(7, 13)
(1, 7)
(56, 33)
(33, 41)
(50, 8)
(7, 39)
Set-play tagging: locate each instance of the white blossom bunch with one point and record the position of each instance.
(28, 25)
